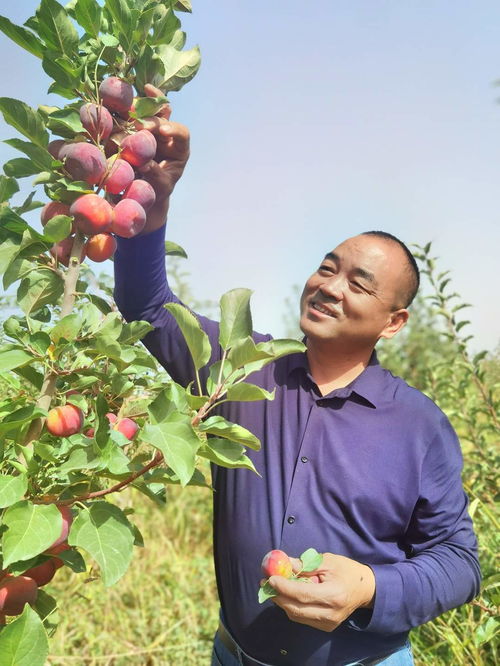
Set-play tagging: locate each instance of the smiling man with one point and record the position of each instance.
(354, 462)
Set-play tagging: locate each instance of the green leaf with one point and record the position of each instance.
(196, 338)
(20, 167)
(65, 123)
(40, 157)
(171, 400)
(8, 187)
(14, 358)
(123, 18)
(227, 454)
(266, 592)
(134, 331)
(183, 6)
(245, 351)
(236, 319)
(311, 560)
(26, 120)
(56, 28)
(19, 418)
(148, 106)
(218, 425)
(88, 13)
(148, 69)
(18, 268)
(32, 528)
(58, 228)
(174, 250)
(12, 489)
(28, 204)
(278, 348)
(165, 26)
(10, 221)
(179, 66)
(178, 442)
(105, 533)
(68, 328)
(61, 70)
(38, 289)
(248, 392)
(22, 37)
(24, 641)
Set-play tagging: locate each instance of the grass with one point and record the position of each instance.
(163, 611)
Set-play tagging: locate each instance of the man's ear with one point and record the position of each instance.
(396, 322)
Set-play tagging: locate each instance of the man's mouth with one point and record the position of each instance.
(323, 309)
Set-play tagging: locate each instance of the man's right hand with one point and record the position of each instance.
(171, 157)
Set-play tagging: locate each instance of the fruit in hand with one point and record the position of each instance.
(118, 176)
(277, 563)
(65, 420)
(97, 120)
(129, 218)
(15, 592)
(83, 161)
(92, 214)
(142, 192)
(116, 95)
(100, 247)
(139, 148)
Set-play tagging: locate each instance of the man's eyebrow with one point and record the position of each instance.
(360, 272)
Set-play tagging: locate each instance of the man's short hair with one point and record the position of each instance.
(408, 292)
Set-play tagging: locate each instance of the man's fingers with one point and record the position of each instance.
(293, 589)
(152, 91)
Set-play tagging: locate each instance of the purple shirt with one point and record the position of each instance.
(370, 471)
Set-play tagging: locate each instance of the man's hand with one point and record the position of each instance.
(338, 588)
(171, 157)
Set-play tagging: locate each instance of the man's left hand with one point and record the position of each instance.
(336, 590)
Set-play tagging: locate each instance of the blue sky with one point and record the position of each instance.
(312, 122)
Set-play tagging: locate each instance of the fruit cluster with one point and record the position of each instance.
(68, 420)
(106, 158)
(16, 591)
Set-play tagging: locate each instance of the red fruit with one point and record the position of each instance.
(52, 209)
(127, 427)
(42, 573)
(142, 192)
(83, 161)
(118, 176)
(55, 146)
(276, 563)
(92, 214)
(116, 94)
(112, 418)
(67, 519)
(90, 432)
(15, 592)
(64, 421)
(129, 218)
(100, 247)
(62, 250)
(98, 121)
(55, 550)
(139, 148)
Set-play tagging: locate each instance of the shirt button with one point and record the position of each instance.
(304, 459)
(291, 520)
(283, 652)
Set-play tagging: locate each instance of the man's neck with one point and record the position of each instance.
(332, 369)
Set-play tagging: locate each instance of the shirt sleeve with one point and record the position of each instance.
(141, 291)
(441, 570)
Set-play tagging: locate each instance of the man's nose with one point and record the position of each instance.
(333, 287)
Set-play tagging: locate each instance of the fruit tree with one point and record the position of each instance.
(86, 413)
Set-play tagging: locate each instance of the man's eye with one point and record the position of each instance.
(327, 269)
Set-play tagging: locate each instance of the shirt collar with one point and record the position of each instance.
(368, 385)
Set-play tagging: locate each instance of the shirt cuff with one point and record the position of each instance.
(388, 605)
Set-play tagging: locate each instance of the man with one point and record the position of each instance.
(354, 462)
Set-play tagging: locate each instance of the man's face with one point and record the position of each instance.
(353, 296)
